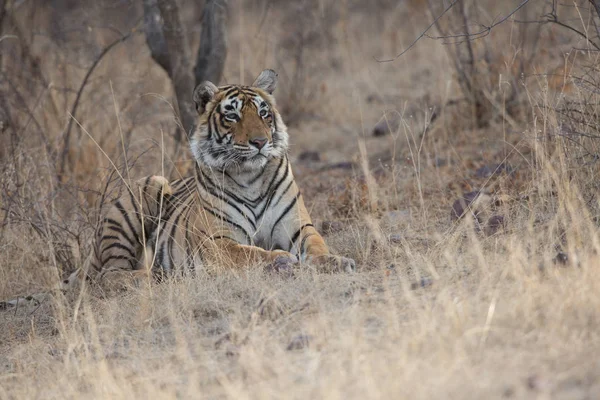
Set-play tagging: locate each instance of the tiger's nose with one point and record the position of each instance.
(259, 143)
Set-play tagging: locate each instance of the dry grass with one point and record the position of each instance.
(446, 309)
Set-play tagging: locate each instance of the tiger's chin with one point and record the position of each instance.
(254, 163)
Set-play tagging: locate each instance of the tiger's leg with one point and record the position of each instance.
(229, 254)
(312, 248)
(125, 229)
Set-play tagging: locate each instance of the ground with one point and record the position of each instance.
(501, 302)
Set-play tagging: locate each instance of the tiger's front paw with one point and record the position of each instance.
(283, 263)
(332, 263)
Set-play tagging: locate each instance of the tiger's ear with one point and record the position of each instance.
(204, 93)
(267, 81)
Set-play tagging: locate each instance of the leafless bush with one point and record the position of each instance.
(307, 33)
(489, 78)
(578, 108)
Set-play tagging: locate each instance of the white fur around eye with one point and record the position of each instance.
(231, 108)
(262, 106)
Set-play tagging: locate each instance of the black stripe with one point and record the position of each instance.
(133, 200)
(223, 124)
(150, 225)
(171, 237)
(234, 181)
(160, 254)
(224, 237)
(209, 127)
(274, 190)
(223, 218)
(144, 189)
(127, 258)
(234, 206)
(119, 207)
(121, 247)
(216, 191)
(188, 243)
(181, 191)
(284, 192)
(297, 234)
(259, 175)
(174, 204)
(287, 210)
(212, 122)
(230, 91)
(274, 175)
(274, 125)
(107, 237)
(97, 267)
(301, 250)
(115, 226)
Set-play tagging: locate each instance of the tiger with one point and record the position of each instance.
(240, 207)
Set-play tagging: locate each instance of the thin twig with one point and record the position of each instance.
(421, 35)
(484, 31)
(67, 136)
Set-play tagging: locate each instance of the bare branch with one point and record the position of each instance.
(421, 35)
(552, 17)
(484, 29)
(212, 51)
(67, 136)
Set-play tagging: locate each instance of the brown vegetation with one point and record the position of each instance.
(473, 213)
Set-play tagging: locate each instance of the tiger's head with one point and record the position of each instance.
(239, 127)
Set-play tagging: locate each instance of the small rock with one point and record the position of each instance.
(395, 238)
(440, 162)
(396, 217)
(389, 123)
(461, 206)
(54, 352)
(282, 265)
(115, 355)
(374, 98)
(299, 342)
(340, 165)
(494, 224)
(532, 382)
(328, 227)
(494, 169)
(270, 308)
(309, 156)
(535, 382)
(561, 258)
(508, 392)
(422, 283)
